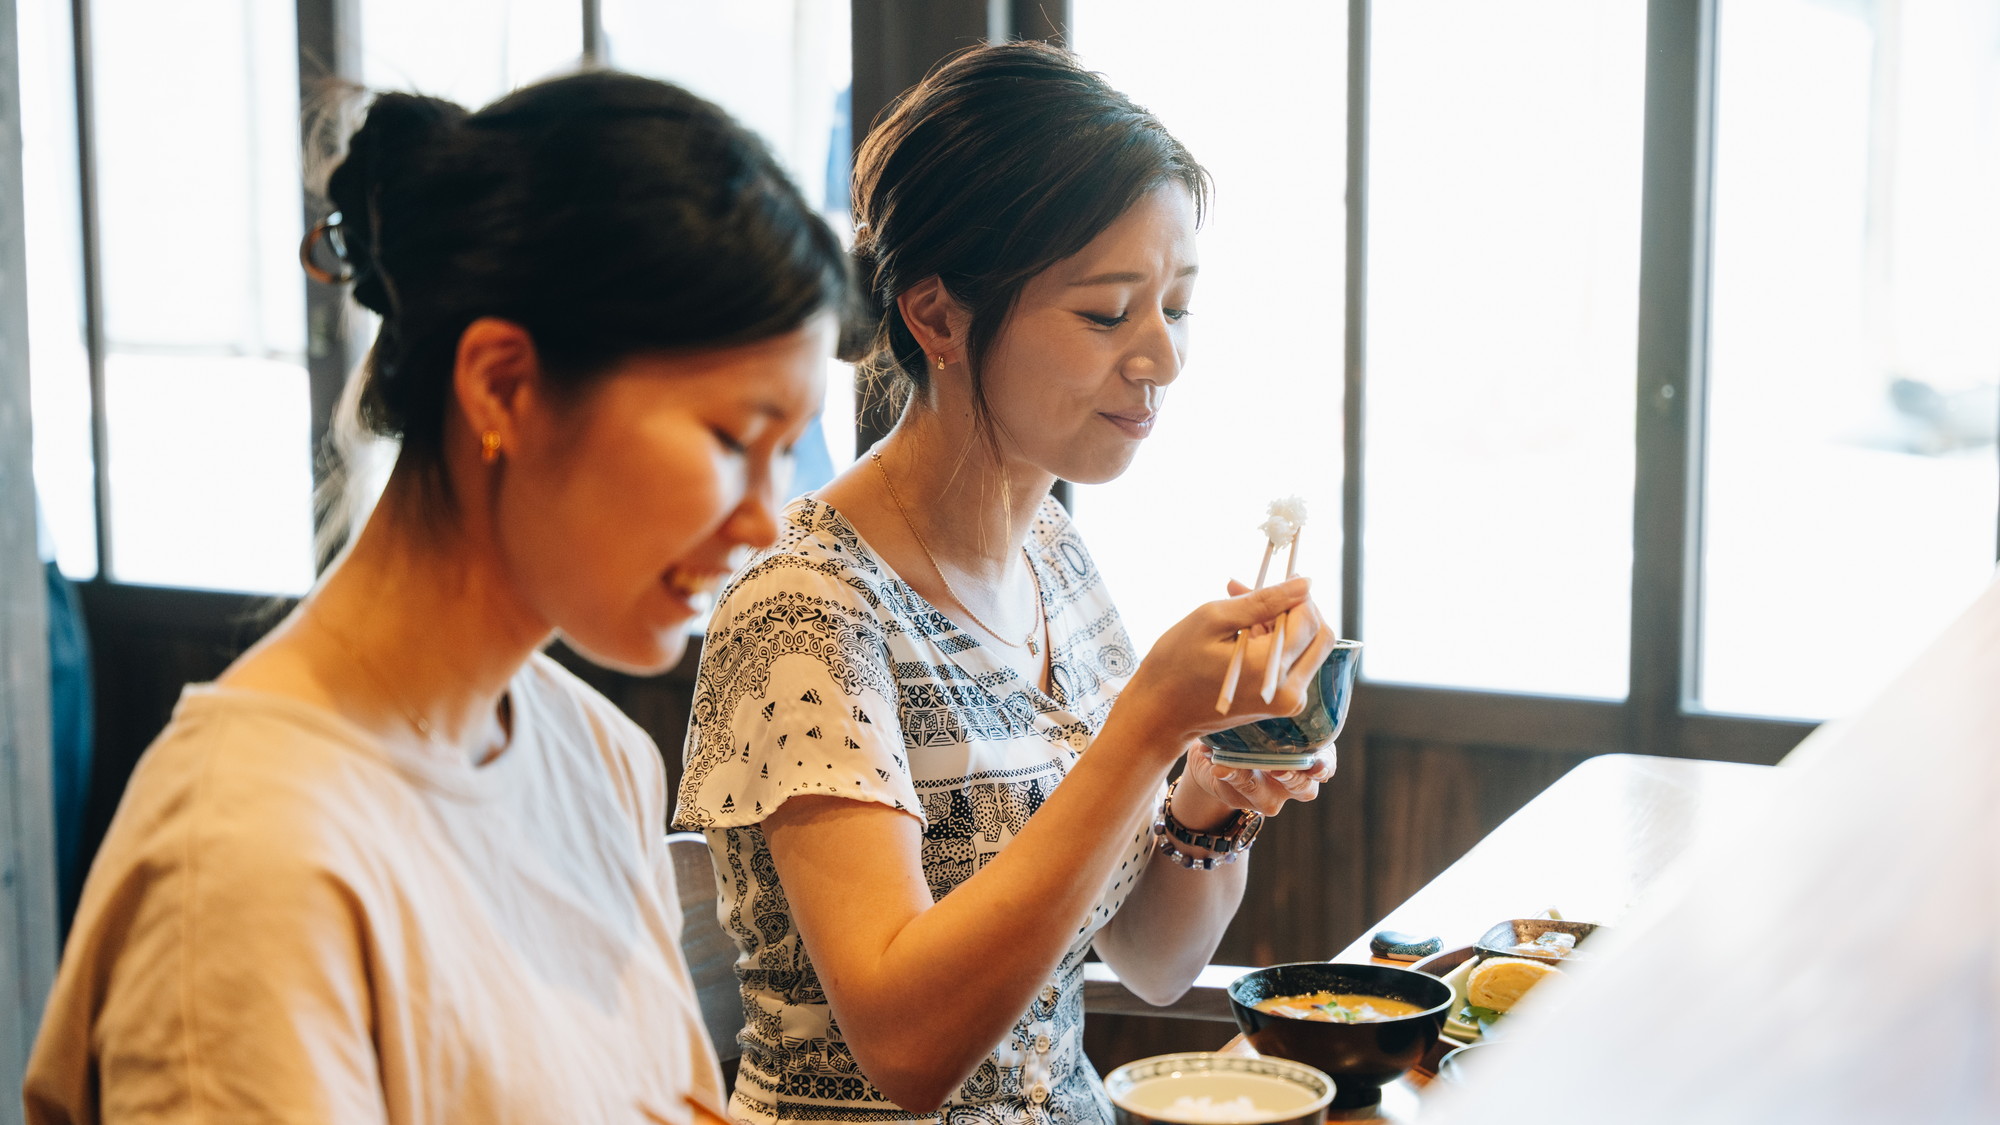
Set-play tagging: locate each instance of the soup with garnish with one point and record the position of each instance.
(1338, 1007)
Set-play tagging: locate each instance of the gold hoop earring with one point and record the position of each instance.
(489, 446)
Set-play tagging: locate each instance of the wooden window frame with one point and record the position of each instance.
(898, 40)
(1659, 714)
(28, 895)
(895, 42)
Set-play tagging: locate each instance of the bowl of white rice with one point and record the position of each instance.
(1214, 1089)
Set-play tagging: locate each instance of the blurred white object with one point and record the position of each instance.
(1833, 962)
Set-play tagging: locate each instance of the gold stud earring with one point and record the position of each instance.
(489, 446)
(940, 361)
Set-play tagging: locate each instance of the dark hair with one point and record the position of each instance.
(604, 213)
(1003, 161)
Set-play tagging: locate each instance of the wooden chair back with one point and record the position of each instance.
(710, 953)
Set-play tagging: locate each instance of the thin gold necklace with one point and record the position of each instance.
(1041, 614)
(410, 714)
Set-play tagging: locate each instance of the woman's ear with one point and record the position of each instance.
(935, 318)
(494, 378)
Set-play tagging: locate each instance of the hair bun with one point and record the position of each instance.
(866, 307)
(393, 137)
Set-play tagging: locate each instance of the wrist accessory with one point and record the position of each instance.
(1231, 841)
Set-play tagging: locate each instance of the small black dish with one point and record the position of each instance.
(1394, 945)
(1361, 1057)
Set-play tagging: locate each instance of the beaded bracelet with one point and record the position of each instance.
(1228, 844)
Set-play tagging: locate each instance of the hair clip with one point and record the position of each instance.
(327, 230)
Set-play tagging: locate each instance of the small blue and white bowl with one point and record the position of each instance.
(1290, 744)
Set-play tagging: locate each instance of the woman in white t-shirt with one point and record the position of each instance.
(927, 759)
(394, 865)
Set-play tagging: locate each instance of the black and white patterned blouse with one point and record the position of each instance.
(823, 672)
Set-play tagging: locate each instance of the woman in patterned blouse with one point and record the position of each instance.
(926, 757)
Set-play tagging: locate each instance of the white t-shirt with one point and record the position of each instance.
(825, 673)
(289, 922)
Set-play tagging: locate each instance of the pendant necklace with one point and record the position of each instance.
(1041, 613)
(418, 723)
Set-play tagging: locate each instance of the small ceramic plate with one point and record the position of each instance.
(1456, 1028)
(1506, 938)
(1453, 966)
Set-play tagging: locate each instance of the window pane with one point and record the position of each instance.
(1503, 239)
(199, 193)
(467, 51)
(210, 479)
(58, 361)
(781, 67)
(1256, 414)
(1853, 354)
(199, 212)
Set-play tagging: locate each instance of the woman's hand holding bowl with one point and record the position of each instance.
(1259, 791)
(1262, 791)
(1173, 692)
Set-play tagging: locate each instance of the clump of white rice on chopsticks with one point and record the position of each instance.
(1284, 518)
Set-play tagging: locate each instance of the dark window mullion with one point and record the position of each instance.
(1039, 19)
(593, 34)
(1356, 348)
(894, 44)
(93, 283)
(1033, 19)
(1672, 361)
(326, 41)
